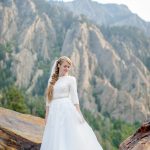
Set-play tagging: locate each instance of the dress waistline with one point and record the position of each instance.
(61, 99)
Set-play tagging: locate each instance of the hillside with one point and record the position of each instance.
(118, 87)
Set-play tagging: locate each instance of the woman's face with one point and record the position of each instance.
(64, 68)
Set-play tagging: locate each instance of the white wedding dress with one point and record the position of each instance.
(64, 129)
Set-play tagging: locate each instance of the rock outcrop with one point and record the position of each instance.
(20, 131)
(31, 34)
(139, 141)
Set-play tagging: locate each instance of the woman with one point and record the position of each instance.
(66, 128)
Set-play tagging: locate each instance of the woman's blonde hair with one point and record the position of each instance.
(55, 75)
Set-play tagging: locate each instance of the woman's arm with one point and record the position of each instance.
(46, 113)
(74, 97)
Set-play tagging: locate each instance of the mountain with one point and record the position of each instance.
(111, 62)
(111, 77)
(107, 14)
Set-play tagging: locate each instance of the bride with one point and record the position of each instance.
(65, 126)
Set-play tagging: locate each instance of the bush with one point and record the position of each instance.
(14, 100)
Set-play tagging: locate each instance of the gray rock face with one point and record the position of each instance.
(120, 84)
(31, 33)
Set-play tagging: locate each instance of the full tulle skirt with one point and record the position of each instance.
(64, 129)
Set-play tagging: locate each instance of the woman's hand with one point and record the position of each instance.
(45, 121)
(46, 114)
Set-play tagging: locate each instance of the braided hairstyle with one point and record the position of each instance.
(55, 75)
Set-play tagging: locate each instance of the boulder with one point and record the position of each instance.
(138, 141)
(20, 131)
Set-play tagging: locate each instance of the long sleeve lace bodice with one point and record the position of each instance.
(65, 86)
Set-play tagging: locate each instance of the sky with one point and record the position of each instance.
(140, 7)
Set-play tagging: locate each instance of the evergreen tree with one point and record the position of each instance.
(14, 100)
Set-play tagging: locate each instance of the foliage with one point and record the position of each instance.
(13, 99)
(6, 76)
(147, 63)
(2, 53)
(35, 105)
(111, 131)
(7, 47)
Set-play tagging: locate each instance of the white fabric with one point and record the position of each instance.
(52, 70)
(64, 129)
(66, 86)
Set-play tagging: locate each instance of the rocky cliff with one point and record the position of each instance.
(111, 64)
(30, 32)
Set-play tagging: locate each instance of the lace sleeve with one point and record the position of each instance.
(73, 91)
